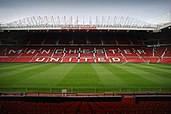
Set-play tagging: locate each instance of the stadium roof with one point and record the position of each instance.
(111, 14)
(141, 9)
(86, 23)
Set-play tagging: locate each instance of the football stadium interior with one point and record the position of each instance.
(63, 67)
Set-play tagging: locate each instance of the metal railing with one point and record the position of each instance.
(85, 90)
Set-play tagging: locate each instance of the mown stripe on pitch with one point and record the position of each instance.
(22, 72)
(134, 77)
(46, 76)
(165, 66)
(82, 75)
(147, 75)
(38, 78)
(131, 77)
(9, 73)
(43, 70)
(66, 77)
(8, 64)
(156, 70)
(25, 79)
(14, 67)
(107, 77)
(154, 66)
(60, 72)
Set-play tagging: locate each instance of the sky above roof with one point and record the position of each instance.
(11, 10)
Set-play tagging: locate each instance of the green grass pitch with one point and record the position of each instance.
(85, 77)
